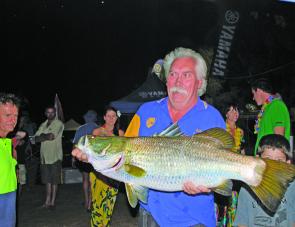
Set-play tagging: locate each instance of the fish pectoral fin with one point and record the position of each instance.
(225, 188)
(134, 171)
(135, 193)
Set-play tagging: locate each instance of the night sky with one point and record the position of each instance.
(92, 52)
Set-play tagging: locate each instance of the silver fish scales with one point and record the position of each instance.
(165, 163)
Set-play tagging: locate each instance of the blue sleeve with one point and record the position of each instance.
(220, 121)
(77, 137)
(79, 133)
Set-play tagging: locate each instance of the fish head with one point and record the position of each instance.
(102, 152)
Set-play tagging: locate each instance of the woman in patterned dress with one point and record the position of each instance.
(232, 116)
(104, 190)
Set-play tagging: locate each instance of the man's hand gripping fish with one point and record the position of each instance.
(164, 162)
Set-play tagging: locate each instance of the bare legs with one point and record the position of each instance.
(51, 190)
(48, 195)
(87, 191)
(53, 195)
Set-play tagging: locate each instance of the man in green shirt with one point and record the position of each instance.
(51, 154)
(273, 118)
(9, 107)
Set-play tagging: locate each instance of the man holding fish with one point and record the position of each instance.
(176, 151)
(186, 74)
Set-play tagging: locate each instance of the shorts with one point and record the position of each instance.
(22, 174)
(51, 173)
(8, 209)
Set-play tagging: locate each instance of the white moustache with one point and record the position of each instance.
(179, 90)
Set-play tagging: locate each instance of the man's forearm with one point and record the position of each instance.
(40, 138)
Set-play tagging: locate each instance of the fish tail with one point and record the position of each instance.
(276, 178)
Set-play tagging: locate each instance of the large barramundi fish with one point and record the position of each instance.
(165, 161)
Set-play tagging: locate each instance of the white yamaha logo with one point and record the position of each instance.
(232, 17)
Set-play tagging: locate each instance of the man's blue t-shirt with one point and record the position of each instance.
(178, 208)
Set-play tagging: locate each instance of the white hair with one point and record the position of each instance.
(201, 66)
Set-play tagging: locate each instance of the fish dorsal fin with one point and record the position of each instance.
(225, 188)
(218, 136)
(172, 130)
(135, 193)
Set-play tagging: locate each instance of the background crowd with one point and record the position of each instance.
(186, 79)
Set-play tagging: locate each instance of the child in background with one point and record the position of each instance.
(249, 212)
